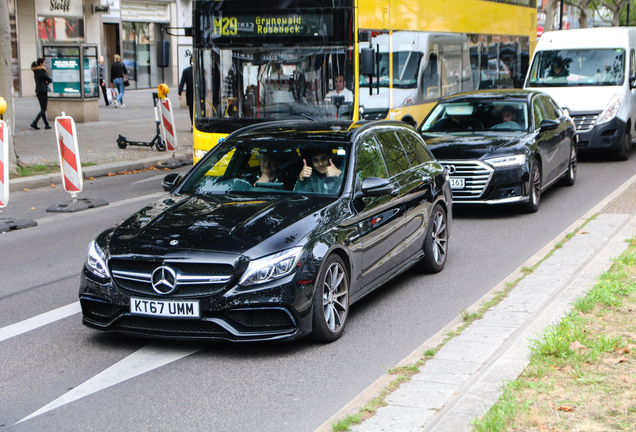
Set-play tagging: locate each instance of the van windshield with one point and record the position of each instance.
(577, 67)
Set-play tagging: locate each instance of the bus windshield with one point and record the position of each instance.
(274, 83)
(578, 67)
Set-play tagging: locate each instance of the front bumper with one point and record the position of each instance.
(486, 185)
(278, 310)
(606, 137)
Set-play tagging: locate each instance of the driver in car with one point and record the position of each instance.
(269, 164)
(508, 118)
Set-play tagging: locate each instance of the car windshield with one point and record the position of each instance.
(578, 67)
(477, 116)
(263, 165)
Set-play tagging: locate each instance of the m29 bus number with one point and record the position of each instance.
(225, 26)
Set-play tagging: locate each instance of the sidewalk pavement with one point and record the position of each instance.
(97, 141)
(466, 376)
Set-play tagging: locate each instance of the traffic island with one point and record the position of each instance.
(77, 205)
(7, 224)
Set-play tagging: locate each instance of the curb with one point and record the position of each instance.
(376, 387)
(38, 181)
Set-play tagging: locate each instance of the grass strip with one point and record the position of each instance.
(582, 372)
(406, 372)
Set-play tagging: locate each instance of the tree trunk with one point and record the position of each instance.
(6, 77)
(550, 13)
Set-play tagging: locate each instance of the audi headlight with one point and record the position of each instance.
(271, 267)
(96, 261)
(506, 161)
(610, 110)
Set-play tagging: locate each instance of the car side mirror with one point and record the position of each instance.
(632, 81)
(376, 186)
(547, 124)
(170, 181)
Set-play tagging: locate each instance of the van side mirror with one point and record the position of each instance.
(170, 181)
(547, 124)
(367, 61)
(632, 81)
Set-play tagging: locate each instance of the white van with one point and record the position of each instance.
(591, 73)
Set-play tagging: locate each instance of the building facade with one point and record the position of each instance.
(130, 28)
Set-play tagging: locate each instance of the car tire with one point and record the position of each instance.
(570, 175)
(625, 149)
(534, 192)
(331, 301)
(435, 242)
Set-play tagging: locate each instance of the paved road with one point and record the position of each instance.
(144, 385)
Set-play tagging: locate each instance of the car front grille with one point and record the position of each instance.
(584, 122)
(192, 279)
(476, 176)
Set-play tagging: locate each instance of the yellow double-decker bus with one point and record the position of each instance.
(264, 60)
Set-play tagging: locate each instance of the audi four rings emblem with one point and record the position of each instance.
(164, 280)
(451, 169)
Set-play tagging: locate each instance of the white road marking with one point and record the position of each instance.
(150, 357)
(39, 321)
(160, 176)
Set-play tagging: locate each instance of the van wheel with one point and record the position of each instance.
(625, 149)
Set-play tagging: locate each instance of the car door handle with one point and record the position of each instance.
(427, 179)
(395, 192)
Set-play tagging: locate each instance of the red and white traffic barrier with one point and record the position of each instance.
(4, 164)
(68, 151)
(168, 130)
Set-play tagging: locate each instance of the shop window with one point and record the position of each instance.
(59, 29)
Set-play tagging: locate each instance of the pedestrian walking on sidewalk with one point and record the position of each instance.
(117, 72)
(186, 79)
(42, 81)
(102, 78)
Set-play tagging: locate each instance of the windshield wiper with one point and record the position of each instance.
(308, 117)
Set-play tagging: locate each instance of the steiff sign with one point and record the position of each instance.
(101, 9)
(60, 8)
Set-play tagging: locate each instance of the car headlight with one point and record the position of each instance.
(407, 102)
(96, 261)
(610, 110)
(506, 161)
(271, 267)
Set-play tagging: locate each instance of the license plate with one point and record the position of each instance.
(164, 308)
(457, 183)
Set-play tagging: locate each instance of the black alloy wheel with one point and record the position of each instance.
(570, 176)
(331, 301)
(625, 149)
(534, 188)
(435, 242)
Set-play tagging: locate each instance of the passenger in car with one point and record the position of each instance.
(319, 174)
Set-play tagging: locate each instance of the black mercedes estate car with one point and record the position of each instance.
(502, 146)
(273, 235)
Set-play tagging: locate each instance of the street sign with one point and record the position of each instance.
(168, 130)
(69, 154)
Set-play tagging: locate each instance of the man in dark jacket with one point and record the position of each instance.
(186, 79)
(42, 81)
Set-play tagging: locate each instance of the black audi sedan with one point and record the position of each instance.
(273, 235)
(502, 146)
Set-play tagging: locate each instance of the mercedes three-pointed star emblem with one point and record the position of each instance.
(164, 280)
